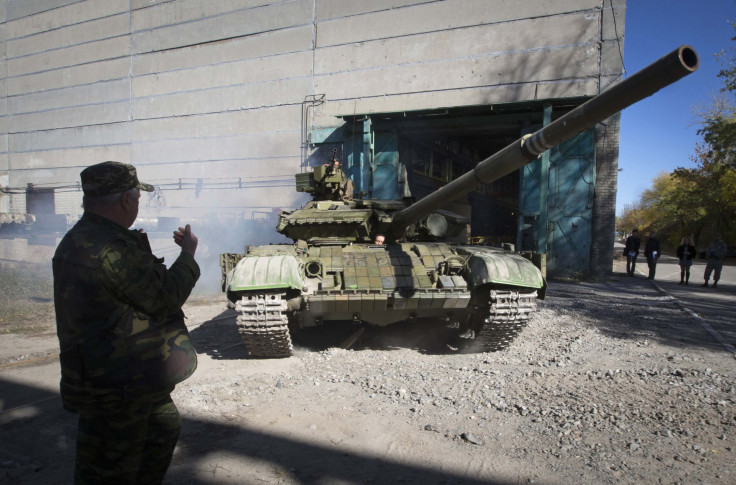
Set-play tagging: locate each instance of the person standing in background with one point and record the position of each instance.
(652, 253)
(685, 254)
(715, 253)
(631, 251)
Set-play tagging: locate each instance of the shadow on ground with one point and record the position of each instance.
(39, 438)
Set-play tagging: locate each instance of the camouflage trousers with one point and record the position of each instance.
(714, 265)
(132, 446)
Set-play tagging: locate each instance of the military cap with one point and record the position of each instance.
(111, 178)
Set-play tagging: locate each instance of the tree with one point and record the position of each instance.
(672, 207)
(631, 218)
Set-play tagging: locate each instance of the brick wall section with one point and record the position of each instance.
(604, 201)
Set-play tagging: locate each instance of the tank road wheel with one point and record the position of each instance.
(264, 325)
(494, 325)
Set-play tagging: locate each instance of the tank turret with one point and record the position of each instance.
(336, 271)
(334, 216)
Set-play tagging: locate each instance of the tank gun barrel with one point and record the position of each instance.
(667, 70)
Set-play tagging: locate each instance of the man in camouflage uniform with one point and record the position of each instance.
(715, 254)
(121, 331)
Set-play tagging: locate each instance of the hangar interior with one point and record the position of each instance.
(392, 155)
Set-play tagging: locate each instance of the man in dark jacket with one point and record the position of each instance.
(651, 251)
(631, 251)
(121, 332)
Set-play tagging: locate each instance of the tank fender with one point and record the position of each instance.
(503, 269)
(266, 272)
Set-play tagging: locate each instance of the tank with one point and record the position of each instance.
(339, 270)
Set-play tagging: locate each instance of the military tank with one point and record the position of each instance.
(337, 271)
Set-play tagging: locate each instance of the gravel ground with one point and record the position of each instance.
(611, 382)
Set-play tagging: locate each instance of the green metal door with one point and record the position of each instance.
(386, 166)
(569, 206)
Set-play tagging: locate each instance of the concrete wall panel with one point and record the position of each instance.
(111, 112)
(240, 73)
(611, 59)
(206, 150)
(25, 18)
(612, 27)
(139, 4)
(260, 95)
(61, 166)
(511, 38)
(101, 71)
(233, 24)
(70, 56)
(261, 45)
(440, 16)
(23, 8)
(327, 113)
(182, 11)
(540, 65)
(3, 36)
(69, 160)
(104, 28)
(84, 136)
(46, 176)
(90, 94)
(330, 9)
(572, 88)
(266, 120)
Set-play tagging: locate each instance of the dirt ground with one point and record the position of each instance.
(611, 382)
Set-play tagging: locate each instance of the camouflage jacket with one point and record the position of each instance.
(717, 249)
(118, 315)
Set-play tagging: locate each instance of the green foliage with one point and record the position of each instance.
(632, 218)
(671, 208)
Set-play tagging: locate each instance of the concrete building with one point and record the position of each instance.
(219, 103)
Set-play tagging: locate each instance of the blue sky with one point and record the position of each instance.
(659, 133)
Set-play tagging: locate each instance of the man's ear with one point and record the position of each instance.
(125, 200)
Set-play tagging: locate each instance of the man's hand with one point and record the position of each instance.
(186, 239)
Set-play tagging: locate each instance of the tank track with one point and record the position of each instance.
(263, 325)
(508, 314)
